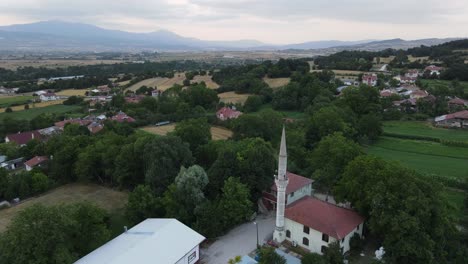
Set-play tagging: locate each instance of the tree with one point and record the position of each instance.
(39, 183)
(313, 258)
(8, 110)
(235, 202)
(370, 126)
(253, 103)
(163, 157)
(200, 95)
(330, 158)
(196, 132)
(142, 204)
(266, 125)
(269, 256)
(332, 254)
(26, 107)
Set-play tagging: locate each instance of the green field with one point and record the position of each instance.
(424, 129)
(429, 158)
(434, 84)
(17, 100)
(31, 113)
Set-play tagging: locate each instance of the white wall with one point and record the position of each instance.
(315, 237)
(185, 259)
(304, 191)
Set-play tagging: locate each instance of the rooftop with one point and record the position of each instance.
(36, 160)
(295, 183)
(161, 240)
(324, 217)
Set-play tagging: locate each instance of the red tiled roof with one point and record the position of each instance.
(24, 137)
(458, 115)
(78, 121)
(386, 93)
(122, 117)
(36, 160)
(433, 68)
(228, 113)
(324, 217)
(296, 182)
(95, 127)
(457, 101)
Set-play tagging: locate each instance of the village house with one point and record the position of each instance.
(37, 161)
(308, 222)
(22, 138)
(455, 120)
(82, 122)
(457, 104)
(413, 73)
(95, 127)
(134, 99)
(152, 241)
(156, 93)
(386, 93)
(12, 164)
(226, 113)
(48, 97)
(370, 79)
(417, 94)
(297, 188)
(432, 69)
(406, 79)
(122, 117)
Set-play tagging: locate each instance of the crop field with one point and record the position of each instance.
(434, 84)
(384, 60)
(14, 64)
(232, 97)
(33, 112)
(217, 133)
(160, 82)
(207, 79)
(71, 92)
(424, 129)
(276, 82)
(36, 105)
(413, 59)
(103, 197)
(6, 101)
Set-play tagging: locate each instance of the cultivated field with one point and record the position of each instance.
(71, 92)
(217, 133)
(276, 82)
(207, 79)
(383, 59)
(36, 105)
(32, 113)
(101, 196)
(413, 59)
(159, 82)
(232, 97)
(6, 101)
(424, 129)
(14, 64)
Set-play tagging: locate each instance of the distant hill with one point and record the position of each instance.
(66, 36)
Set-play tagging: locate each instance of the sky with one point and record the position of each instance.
(269, 21)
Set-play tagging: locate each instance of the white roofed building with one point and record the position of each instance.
(161, 240)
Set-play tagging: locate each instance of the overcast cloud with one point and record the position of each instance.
(270, 21)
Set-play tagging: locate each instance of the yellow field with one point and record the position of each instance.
(71, 92)
(14, 64)
(276, 82)
(413, 59)
(217, 133)
(232, 97)
(71, 193)
(36, 105)
(384, 60)
(207, 79)
(159, 82)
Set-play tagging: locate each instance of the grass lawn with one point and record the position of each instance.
(106, 198)
(455, 201)
(32, 113)
(425, 157)
(442, 83)
(424, 129)
(6, 101)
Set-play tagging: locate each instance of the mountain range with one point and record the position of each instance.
(66, 36)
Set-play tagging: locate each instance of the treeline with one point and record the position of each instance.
(78, 83)
(347, 60)
(32, 73)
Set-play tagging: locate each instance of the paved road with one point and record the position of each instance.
(239, 241)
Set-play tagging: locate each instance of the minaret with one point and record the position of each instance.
(281, 181)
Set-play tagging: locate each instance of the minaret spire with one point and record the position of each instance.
(281, 181)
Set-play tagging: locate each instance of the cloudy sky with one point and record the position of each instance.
(270, 21)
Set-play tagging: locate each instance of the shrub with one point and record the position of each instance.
(26, 107)
(356, 243)
(8, 110)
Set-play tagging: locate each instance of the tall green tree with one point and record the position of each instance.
(142, 204)
(235, 202)
(269, 256)
(196, 132)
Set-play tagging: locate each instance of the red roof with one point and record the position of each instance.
(369, 77)
(386, 93)
(122, 117)
(433, 68)
(458, 115)
(295, 183)
(227, 113)
(324, 217)
(457, 101)
(78, 121)
(95, 127)
(24, 137)
(36, 160)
